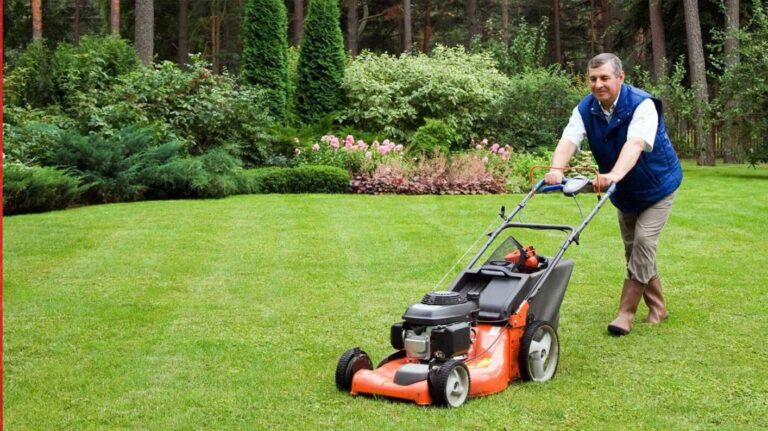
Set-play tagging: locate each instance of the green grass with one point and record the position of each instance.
(232, 313)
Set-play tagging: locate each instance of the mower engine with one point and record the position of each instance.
(439, 327)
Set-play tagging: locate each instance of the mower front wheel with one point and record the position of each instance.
(352, 361)
(449, 384)
(539, 352)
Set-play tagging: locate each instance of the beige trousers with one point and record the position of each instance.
(640, 234)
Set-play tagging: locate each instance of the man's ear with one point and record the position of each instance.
(621, 76)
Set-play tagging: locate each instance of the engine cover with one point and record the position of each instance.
(441, 308)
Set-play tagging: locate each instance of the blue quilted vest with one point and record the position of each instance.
(656, 174)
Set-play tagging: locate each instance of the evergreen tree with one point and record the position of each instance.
(321, 62)
(265, 50)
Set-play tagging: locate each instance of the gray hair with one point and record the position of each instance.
(600, 59)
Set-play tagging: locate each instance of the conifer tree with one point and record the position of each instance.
(265, 51)
(321, 62)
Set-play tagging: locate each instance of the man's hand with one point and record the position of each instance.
(554, 176)
(603, 181)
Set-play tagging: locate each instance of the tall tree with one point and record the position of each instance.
(704, 143)
(426, 36)
(37, 20)
(505, 22)
(183, 32)
(658, 43)
(144, 36)
(76, 26)
(215, 18)
(114, 17)
(265, 51)
(407, 26)
(472, 27)
(320, 69)
(298, 21)
(352, 25)
(556, 30)
(731, 51)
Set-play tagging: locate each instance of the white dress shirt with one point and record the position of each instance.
(644, 123)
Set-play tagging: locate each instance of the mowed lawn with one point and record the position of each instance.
(232, 313)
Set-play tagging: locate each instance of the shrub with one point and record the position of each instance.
(534, 109)
(351, 155)
(394, 94)
(526, 49)
(30, 82)
(36, 189)
(29, 133)
(214, 174)
(305, 179)
(434, 135)
(464, 173)
(265, 46)
(41, 77)
(320, 69)
(205, 110)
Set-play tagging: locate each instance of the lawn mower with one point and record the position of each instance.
(497, 321)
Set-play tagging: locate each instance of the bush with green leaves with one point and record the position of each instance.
(43, 77)
(320, 69)
(534, 108)
(746, 83)
(264, 60)
(433, 136)
(394, 94)
(526, 50)
(29, 133)
(305, 179)
(204, 109)
(28, 189)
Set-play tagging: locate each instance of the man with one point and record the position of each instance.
(626, 133)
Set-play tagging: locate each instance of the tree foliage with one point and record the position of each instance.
(320, 69)
(265, 61)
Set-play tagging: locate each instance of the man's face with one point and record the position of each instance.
(605, 84)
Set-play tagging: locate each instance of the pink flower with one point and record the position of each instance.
(504, 154)
(334, 143)
(399, 148)
(494, 148)
(361, 145)
(384, 149)
(316, 147)
(350, 140)
(376, 144)
(349, 145)
(478, 147)
(485, 159)
(485, 141)
(368, 155)
(326, 138)
(385, 143)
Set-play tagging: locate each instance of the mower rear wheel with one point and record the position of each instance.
(539, 352)
(352, 361)
(449, 385)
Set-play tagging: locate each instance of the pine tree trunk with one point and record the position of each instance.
(505, 22)
(76, 26)
(556, 29)
(114, 17)
(145, 30)
(37, 20)
(731, 152)
(215, 37)
(427, 30)
(407, 26)
(298, 21)
(352, 23)
(592, 28)
(183, 32)
(658, 41)
(471, 22)
(704, 143)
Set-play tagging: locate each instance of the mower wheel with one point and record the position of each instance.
(398, 354)
(539, 352)
(449, 384)
(352, 361)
